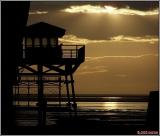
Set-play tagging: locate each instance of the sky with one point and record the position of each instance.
(121, 41)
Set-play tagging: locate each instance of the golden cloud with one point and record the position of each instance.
(38, 12)
(72, 39)
(147, 38)
(91, 70)
(108, 10)
(132, 57)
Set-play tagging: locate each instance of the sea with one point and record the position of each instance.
(115, 109)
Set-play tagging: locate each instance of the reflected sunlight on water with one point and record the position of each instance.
(113, 105)
(110, 111)
(98, 105)
(110, 105)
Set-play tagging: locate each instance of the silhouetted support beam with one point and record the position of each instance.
(28, 93)
(73, 95)
(59, 91)
(15, 93)
(56, 69)
(67, 87)
(75, 67)
(51, 69)
(68, 69)
(41, 120)
(18, 93)
(45, 74)
(30, 69)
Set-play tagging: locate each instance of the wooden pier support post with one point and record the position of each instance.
(18, 93)
(41, 109)
(28, 93)
(68, 96)
(73, 95)
(59, 88)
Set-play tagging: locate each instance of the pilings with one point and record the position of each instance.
(68, 94)
(39, 81)
(72, 104)
(41, 102)
(59, 89)
(73, 95)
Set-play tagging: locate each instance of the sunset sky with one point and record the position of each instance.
(121, 41)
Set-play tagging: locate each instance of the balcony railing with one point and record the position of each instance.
(57, 53)
(72, 51)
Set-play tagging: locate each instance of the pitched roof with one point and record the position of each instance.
(43, 29)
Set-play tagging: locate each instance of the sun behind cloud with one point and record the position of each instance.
(109, 10)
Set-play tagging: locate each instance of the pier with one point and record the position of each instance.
(45, 63)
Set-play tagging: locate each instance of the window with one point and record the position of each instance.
(44, 42)
(54, 42)
(28, 42)
(37, 42)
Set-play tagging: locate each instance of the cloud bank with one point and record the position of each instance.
(72, 39)
(108, 10)
(38, 12)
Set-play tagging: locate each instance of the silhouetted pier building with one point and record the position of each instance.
(44, 62)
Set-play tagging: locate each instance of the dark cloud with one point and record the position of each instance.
(98, 27)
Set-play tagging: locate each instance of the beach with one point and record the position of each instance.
(90, 116)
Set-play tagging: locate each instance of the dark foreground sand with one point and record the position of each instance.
(76, 126)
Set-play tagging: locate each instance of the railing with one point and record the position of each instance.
(72, 51)
(57, 52)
